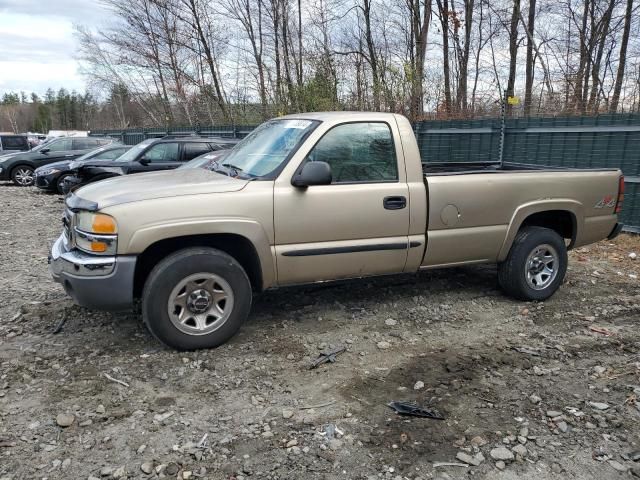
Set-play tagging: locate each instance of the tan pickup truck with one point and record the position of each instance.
(317, 197)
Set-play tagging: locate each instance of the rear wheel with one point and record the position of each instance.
(536, 264)
(22, 175)
(196, 298)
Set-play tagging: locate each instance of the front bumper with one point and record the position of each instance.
(46, 182)
(93, 281)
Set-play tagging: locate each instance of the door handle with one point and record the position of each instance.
(394, 203)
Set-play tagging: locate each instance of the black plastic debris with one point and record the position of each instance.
(327, 357)
(414, 410)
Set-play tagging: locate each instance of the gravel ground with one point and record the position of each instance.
(528, 390)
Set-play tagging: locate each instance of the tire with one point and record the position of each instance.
(536, 264)
(188, 281)
(22, 175)
(60, 183)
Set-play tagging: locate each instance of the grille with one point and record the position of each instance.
(67, 222)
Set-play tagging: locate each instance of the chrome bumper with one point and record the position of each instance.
(98, 282)
(75, 262)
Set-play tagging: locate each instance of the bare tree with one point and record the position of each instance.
(513, 50)
(622, 60)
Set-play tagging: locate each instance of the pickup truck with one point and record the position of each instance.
(317, 197)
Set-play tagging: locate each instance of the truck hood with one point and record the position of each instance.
(152, 185)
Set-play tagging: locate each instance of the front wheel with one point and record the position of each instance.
(61, 184)
(22, 176)
(196, 298)
(536, 264)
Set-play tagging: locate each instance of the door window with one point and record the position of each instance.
(193, 150)
(84, 144)
(162, 153)
(358, 152)
(60, 145)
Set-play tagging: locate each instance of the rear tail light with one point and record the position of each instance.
(620, 195)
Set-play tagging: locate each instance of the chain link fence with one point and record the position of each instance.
(604, 141)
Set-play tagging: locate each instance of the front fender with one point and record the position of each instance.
(252, 230)
(523, 211)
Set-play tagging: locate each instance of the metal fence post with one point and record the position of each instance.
(503, 118)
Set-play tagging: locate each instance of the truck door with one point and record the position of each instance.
(356, 226)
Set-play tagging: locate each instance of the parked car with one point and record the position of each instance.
(208, 161)
(51, 177)
(19, 168)
(317, 197)
(14, 143)
(149, 155)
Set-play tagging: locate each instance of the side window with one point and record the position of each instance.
(162, 152)
(358, 152)
(84, 144)
(192, 150)
(13, 142)
(60, 145)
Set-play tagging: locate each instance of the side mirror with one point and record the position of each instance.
(45, 150)
(144, 162)
(313, 173)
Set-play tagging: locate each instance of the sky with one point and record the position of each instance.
(37, 45)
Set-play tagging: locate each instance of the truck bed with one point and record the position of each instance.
(458, 168)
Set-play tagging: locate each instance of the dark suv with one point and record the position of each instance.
(14, 143)
(149, 155)
(19, 167)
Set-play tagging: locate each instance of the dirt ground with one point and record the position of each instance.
(528, 390)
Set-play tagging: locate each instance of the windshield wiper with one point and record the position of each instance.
(232, 167)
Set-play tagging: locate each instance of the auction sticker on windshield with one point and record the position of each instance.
(302, 124)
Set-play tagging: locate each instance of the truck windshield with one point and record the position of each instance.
(267, 147)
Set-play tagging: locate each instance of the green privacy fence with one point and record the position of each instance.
(605, 141)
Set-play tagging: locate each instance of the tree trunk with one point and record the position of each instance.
(529, 66)
(443, 7)
(615, 99)
(513, 52)
(211, 63)
(373, 55)
(603, 31)
(420, 18)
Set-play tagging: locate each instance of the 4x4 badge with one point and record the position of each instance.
(607, 202)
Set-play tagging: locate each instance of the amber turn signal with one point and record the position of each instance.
(98, 247)
(103, 224)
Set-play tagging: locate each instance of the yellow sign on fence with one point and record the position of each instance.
(513, 100)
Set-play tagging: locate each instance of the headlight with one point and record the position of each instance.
(96, 223)
(47, 171)
(96, 233)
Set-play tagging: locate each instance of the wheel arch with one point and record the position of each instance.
(238, 246)
(21, 163)
(565, 217)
